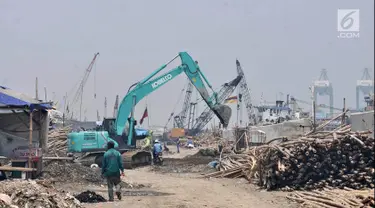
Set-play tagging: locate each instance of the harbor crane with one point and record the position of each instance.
(180, 119)
(244, 97)
(364, 85)
(78, 96)
(323, 87)
(207, 115)
(194, 124)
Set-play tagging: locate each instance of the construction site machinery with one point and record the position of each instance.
(207, 115)
(245, 97)
(121, 130)
(78, 95)
(180, 119)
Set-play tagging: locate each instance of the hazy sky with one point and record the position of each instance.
(281, 44)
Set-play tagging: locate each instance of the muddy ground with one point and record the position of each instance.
(178, 184)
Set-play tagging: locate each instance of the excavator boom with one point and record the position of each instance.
(149, 85)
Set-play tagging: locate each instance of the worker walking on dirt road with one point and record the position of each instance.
(112, 170)
(178, 144)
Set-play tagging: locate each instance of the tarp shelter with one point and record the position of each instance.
(15, 111)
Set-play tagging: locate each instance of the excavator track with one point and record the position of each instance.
(132, 159)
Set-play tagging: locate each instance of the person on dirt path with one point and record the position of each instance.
(157, 148)
(178, 144)
(112, 170)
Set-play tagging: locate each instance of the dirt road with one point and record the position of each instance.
(171, 186)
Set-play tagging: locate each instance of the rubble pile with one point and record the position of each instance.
(90, 197)
(27, 193)
(208, 140)
(333, 198)
(62, 171)
(340, 159)
(57, 141)
(208, 152)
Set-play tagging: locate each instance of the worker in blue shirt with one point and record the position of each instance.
(112, 170)
(157, 148)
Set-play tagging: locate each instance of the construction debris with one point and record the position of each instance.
(90, 197)
(5, 201)
(27, 193)
(62, 171)
(334, 198)
(57, 141)
(208, 152)
(340, 159)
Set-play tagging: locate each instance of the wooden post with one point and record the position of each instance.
(30, 137)
(36, 89)
(65, 106)
(314, 117)
(343, 115)
(45, 94)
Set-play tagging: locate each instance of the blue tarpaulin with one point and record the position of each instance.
(12, 99)
(141, 132)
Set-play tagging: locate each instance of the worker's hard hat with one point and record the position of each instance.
(150, 131)
(156, 141)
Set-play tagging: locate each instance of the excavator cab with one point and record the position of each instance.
(109, 126)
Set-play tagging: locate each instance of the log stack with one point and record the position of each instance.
(57, 141)
(342, 162)
(333, 198)
(340, 159)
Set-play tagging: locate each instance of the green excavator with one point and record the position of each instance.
(121, 130)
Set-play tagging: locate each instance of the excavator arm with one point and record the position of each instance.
(150, 84)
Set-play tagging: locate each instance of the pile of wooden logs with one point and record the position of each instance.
(57, 141)
(333, 198)
(340, 159)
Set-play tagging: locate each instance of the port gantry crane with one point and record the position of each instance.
(364, 85)
(323, 87)
(244, 97)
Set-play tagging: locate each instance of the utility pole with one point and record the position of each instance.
(65, 106)
(105, 107)
(343, 115)
(36, 89)
(97, 115)
(45, 94)
(313, 106)
(314, 116)
(115, 108)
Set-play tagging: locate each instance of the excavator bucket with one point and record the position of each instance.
(224, 113)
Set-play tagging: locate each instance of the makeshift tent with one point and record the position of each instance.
(15, 110)
(12, 99)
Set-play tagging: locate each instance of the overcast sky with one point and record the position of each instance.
(281, 44)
